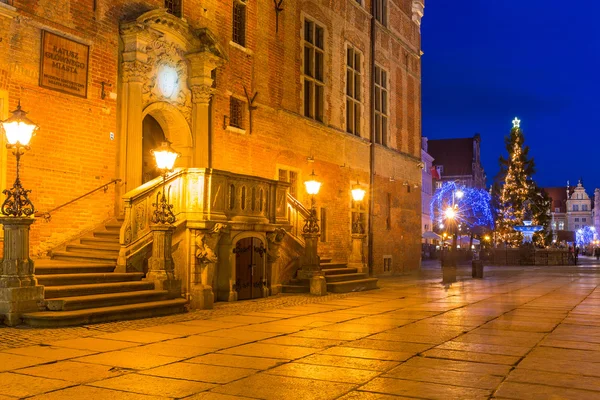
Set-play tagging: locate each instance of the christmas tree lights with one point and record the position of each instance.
(585, 236)
(472, 208)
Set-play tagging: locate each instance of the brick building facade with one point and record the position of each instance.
(238, 86)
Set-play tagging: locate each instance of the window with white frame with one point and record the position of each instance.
(381, 106)
(239, 22)
(313, 80)
(381, 11)
(353, 90)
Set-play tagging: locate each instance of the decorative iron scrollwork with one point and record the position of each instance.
(311, 224)
(163, 212)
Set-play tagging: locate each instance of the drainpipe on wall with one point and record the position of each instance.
(370, 258)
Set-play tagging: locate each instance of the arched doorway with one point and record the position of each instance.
(250, 268)
(152, 136)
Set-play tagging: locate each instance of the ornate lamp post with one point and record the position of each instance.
(19, 291)
(358, 232)
(449, 267)
(310, 267)
(161, 269)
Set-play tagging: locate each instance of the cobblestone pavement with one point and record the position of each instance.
(520, 333)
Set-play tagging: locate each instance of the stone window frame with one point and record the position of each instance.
(289, 172)
(382, 105)
(310, 48)
(236, 112)
(355, 99)
(381, 11)
(239, 22)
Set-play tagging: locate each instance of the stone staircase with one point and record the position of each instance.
(81, 286)
(339, 277)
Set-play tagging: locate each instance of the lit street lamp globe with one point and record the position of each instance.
(450, 213)
(358, 193)
(313, 185)
(18, 128)
(165, 156)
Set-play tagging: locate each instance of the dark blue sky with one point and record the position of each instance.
(487, 61)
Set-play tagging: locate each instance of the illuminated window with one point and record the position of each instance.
(381, 106)
(314, 85)
(239, 22)
(561, 226)
(353, 91)
(381, 11)
(174, 7)
(554, 226)
(236, 113)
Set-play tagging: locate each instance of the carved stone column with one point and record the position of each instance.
(357, 255)
(19, 291)
(161, 269)
(202, 294)
(275, 240)
(134, 73)
(200, 81)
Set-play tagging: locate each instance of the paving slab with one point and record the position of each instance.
(324, 372)
(270, 351)
(129, 360)
(527, 391)
(154, 385)
(367, 353)
(93, 344)
(555, 379)
(272, 387)
(200, 372)
(49, 353)
(455, 378)
(138, 336)
(19, 385)
(73, 371)
(426, 390)
(90, 392)
(229, 360)
(9, 362)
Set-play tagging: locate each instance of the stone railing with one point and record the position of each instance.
(297, 215)
(200, 195)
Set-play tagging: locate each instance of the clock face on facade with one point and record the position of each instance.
(168, 81)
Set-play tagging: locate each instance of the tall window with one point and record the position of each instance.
(323, 224)
(239, 22)
(381, 11)
(381, 106)
(575, 207)
(314, 46)
(236, 113)
(561, 226)
(292, 178)
(353, 89)
(173, 7)
(388, 218)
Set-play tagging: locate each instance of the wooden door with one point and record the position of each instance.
(249, 268)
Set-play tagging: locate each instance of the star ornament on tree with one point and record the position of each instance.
(516, 123)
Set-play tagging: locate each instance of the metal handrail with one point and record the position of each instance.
(298, 206)
(46, 215)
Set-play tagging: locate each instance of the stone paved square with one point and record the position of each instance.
(520, 333)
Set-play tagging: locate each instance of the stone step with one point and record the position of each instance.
(332, 265)
(98, 257)
(106, 234)
(72, 268)
(111, 240)
(339, 271)
(345, 277)
(53, 292)
(325, 260)
(86, 248)
(86, 279)
(295, 288)
(105, 300)
(113, 226)
(47, 319)
(352, 286)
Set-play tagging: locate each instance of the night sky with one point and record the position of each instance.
(486, 62)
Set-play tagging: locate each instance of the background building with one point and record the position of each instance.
(571, 210)
(426, 188)
(459, 160)
(254, 98)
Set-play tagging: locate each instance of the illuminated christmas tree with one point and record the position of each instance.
(515, 186)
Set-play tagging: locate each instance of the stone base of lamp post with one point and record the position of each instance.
(19, 291)
(357, 255)
(310, 265)
(202, 297)
(161, 269)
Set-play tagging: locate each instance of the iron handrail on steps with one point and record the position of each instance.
(295, 203)
(47, 215)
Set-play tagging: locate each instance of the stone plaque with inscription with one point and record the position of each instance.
(64, 64)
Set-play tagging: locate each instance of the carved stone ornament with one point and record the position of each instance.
(206, 243)
(202, 94)
(166, 59)
(275, 239)
(135, 71)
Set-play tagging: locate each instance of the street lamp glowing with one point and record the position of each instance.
(18, 128)
(165, 156)
(459, 194)
(358, 193)
(450, 213)
(486, 238)
(312, 185)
